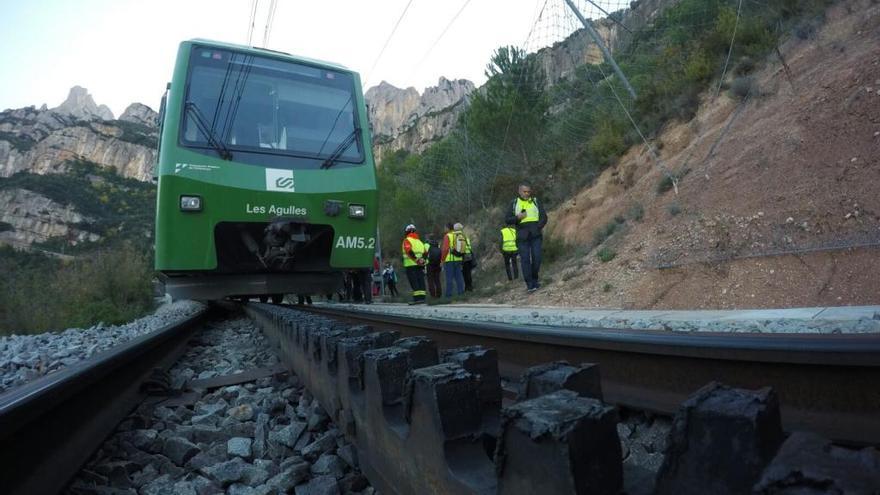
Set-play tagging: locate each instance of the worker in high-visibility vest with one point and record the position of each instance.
(414, 259)
(530, 219)
(452, 252)
(467, 260)
(509, 250)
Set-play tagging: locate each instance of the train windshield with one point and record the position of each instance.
(253, 108)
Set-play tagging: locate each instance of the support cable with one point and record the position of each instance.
(385, 45)
(729, 50)
(250, 33)
(442, 34)
(270, 18)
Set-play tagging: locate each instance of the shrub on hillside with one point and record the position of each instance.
(741, 87)
(604, 232)
(552, 249)
(636, 212)
(606, 254)
(111, 286)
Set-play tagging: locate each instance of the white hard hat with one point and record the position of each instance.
(410, 228)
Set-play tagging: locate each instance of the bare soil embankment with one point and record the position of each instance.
(797, 171)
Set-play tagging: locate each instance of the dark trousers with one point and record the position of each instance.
(391, 286)
(434, 287)
(466, 268)
(530, 257)
(416, 277)
(510, 265)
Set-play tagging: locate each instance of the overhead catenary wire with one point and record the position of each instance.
(385, 45)
(250, 33)
(270, 19)
(442, 34)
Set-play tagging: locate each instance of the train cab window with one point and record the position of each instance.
(270, 112)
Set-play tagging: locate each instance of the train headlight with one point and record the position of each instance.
(191, 203)
(357, 211)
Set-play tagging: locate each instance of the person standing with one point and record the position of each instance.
(390, 277)
(451, 253)
(467, 259)
(434, 268)
(509, 250)
(413, 251)
(530, 219)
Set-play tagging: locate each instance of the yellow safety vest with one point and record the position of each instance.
(449, 256)
(467, 245)
(530, 207)
(508, 237)
(418, 249)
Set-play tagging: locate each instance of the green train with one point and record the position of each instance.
(266, 178)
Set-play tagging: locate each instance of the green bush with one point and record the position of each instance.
(636, 212)
(665, 184)
(552, 249)
(673, 209)
(606, 254)
(741, 87)
(608, 142)
(745, 66)
(111, 286)
(605, 232)
(607, 287)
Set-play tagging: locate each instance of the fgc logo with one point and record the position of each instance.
(279, 180)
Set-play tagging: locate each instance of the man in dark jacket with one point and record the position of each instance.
(434, 267)
(529, 218)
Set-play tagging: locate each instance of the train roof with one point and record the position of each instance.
(266, 51)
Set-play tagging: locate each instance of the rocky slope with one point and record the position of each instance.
(42, 141)
(777, 201)
(32, 217)
(404, 119)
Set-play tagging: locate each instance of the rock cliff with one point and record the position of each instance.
(32, 217)
(43, 140)
(404, 119)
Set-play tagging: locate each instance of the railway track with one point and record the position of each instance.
(422, 399)
(49, 427)
(826, 383)
(421, 402)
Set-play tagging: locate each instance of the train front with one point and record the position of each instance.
(266, 177)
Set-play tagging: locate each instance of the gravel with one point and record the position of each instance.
(26, 357)
(566, 317)
(250, 438)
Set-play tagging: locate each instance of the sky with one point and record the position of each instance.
(123, 51)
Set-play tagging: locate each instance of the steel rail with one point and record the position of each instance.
(51, 426)
(826, 383)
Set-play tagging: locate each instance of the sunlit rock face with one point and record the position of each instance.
(80, 104)
(29, 217)
(404, 119)
(43, 141)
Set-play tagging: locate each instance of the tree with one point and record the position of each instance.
(510, 112)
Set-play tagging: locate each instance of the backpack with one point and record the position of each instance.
(457, 246)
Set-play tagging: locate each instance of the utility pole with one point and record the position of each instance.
(605, 52)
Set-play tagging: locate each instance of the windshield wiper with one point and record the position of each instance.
(351, 138)
(208, 131)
